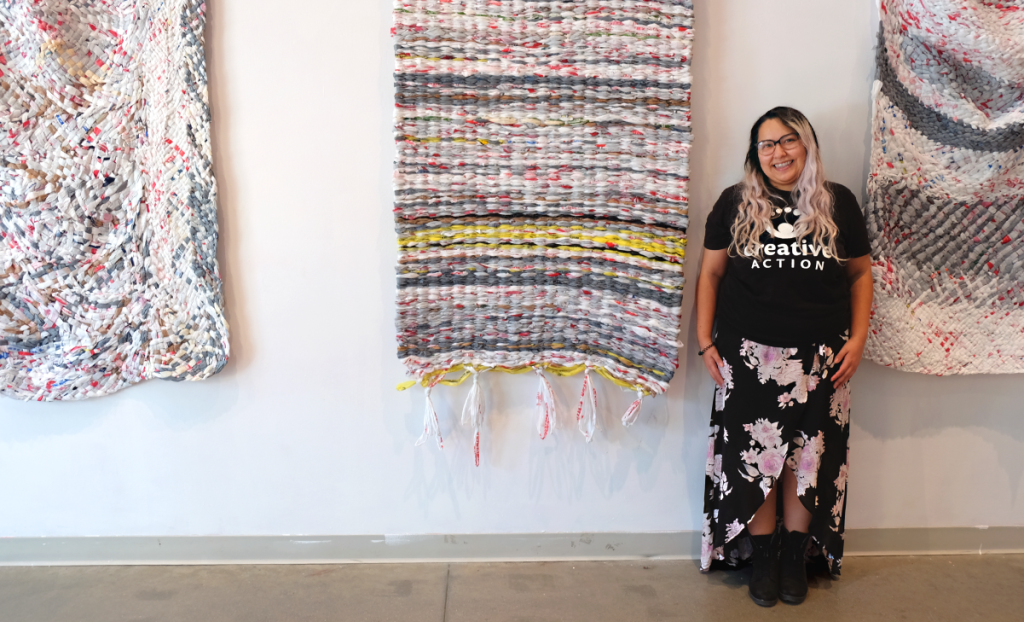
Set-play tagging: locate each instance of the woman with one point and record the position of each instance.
(786, 284)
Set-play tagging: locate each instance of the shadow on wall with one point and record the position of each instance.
(563, 467)
(405, 426)
(176, 405)
(229, 253)
(890, 404)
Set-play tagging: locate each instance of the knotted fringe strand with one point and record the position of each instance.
(473, 409)
(545, 405)
(586, 413)
(473, 412)
(633, 412)
(431, 426)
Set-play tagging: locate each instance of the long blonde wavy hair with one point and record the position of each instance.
(812, 197)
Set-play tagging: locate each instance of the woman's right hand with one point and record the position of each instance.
(712, 269)
(714, 363)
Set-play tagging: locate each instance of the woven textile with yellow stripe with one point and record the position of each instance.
(541, 190)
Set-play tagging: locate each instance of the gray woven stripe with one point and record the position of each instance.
(581, 121)
(563, 327)
(931, 251)
(678, 224)
(528, 197)
(540, 169)
(440, 327)
(522, 193)
(522, 205)
(481, 81)
(469, 333)
(546, 106)
(586, 281)
(440, 208)
(559, 102)
(670, 21)
(678, 132)
(540, 57)
(969, 80)
(939, 127)
(471, 50)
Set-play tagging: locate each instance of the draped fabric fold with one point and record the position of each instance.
(945, 202)
(108, 267)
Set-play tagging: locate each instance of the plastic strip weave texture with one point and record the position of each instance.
(108, 269)
(946, 191)
(541, 186)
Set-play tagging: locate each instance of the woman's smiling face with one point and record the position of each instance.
(782, 167)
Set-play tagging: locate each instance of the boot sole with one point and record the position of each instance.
(792, 600)
(763, 602)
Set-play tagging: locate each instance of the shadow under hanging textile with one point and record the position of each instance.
(945, 203)
(541, 192)
(108, 267)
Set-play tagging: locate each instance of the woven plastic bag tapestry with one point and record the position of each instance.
(541, 193)
(108, 268)
(945, 203)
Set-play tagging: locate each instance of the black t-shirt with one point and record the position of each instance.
(794, 295)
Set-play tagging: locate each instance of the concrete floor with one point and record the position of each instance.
(962, 588)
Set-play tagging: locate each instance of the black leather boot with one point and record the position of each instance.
(764, 583)
(792, 571)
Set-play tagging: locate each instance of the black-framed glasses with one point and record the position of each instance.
(788, 142)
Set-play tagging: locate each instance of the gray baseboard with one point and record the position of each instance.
(935, 541)
(197, 550)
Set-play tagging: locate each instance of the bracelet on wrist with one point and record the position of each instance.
(703, 351)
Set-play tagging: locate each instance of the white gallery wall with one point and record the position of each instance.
(304, 433)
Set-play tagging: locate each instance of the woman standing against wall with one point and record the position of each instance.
(786, 284)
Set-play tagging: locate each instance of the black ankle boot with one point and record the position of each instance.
(764, 583)
(792, 571)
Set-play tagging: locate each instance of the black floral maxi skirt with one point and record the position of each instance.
(778, 410)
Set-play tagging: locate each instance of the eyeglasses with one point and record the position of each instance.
(788, 142)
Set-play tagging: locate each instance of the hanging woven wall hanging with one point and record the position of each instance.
(541, 193)
(108, 261)
(946, 190)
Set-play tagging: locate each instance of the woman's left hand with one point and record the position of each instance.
(850, 357)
